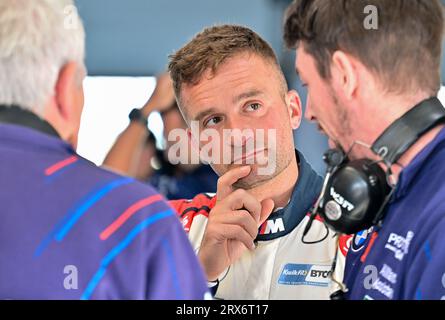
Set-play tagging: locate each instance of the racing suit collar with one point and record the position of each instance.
(285, 220)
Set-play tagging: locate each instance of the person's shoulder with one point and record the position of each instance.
(123, 191)
(193, 214)
(429, 187)
(202, 202)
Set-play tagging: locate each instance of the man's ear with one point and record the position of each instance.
(344, 74)
(65, 90)
(293, 103)
(64, 108)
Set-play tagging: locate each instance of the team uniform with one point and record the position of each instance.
(281, 266)
(69, 230)
(405, 259)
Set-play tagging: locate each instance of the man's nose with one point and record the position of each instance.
(240, 132)
(308, 114)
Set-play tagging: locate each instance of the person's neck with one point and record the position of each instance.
(397, 107)
(280, 188)
(414, 150)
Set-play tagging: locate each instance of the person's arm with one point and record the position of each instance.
(232, 225)
(125, 152)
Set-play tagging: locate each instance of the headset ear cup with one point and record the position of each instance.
(354, 195)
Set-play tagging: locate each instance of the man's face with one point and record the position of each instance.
(323, 105)
(245, 94)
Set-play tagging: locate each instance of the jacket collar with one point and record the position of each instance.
(304, 195)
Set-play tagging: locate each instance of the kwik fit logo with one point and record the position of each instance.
(305, 274)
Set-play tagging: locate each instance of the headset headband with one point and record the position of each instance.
(405, 131)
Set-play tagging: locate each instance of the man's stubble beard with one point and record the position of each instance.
(343, 122)
(254, 181)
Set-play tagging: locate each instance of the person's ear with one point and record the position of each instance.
(64, 109)
(293, 103)
(66, 89)
(344, 74)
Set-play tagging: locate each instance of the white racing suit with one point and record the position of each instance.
(282, 266)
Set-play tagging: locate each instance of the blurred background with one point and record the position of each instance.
(128, 43)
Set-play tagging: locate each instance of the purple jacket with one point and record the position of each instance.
(405, 259)
(70, 230)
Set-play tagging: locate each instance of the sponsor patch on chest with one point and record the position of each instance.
(305, 274)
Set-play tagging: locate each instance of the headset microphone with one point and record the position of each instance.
(355, 193)
(332, 158)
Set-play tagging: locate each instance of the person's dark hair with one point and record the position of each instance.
(404, 51)
(211, 48)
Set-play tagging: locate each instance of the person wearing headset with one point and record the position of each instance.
(372, 71)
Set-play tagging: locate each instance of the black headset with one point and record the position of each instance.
(355, 193)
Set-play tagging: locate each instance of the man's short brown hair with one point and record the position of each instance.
(211, 48)
(404, 51)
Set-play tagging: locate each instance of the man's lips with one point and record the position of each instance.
(246, 156)
(332, 144)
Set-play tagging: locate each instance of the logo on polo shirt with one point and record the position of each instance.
(399, 245)
(359, 239)
(305, 274)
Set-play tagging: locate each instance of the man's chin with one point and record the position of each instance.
(332, 144)
(253, 180)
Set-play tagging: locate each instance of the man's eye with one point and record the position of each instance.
(212, 121)
(254, 106)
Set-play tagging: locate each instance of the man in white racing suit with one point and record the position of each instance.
(249, 236)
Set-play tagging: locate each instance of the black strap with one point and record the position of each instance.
(404, 132)
(18, 116)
